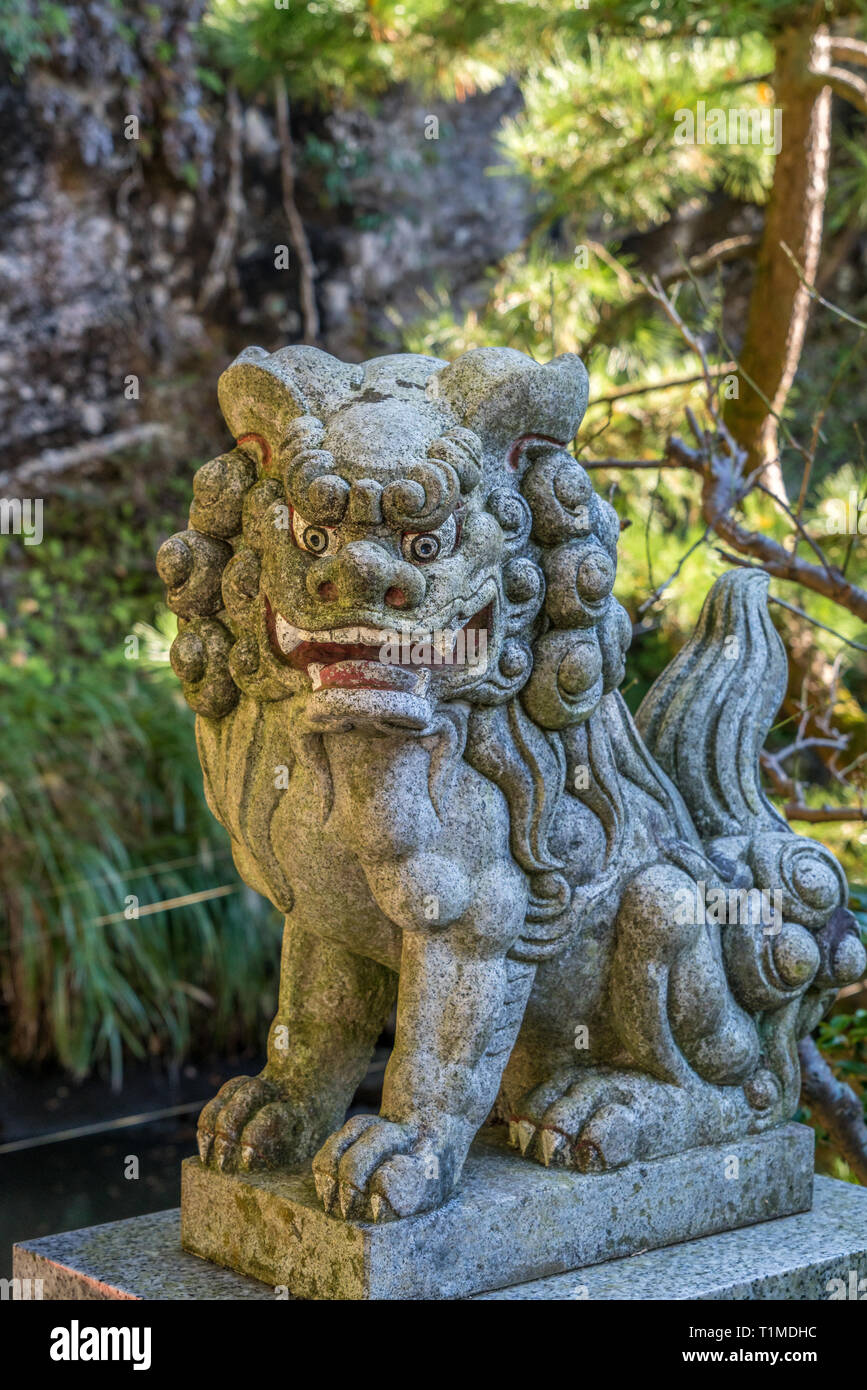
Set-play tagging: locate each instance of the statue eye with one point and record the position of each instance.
(423, 546)
(316, 540)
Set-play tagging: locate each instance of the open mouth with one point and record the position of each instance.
(378, 657)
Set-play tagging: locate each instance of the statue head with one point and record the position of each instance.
(390, 536)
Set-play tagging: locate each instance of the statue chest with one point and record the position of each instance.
(376, 850)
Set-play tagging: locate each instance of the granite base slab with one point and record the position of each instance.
(510, 1221)
(794, 1257)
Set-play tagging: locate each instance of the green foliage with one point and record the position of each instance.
(613, 157)
(349, 50)
(842, 1039)
(594, 139)
(101, 800)
(26, 30)
(336, 165)
(353, 50)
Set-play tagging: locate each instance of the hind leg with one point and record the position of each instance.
(666, 1097)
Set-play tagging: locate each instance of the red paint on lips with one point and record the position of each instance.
(368, 675)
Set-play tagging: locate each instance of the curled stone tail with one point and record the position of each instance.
(706, 718)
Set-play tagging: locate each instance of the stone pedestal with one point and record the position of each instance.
(818, 1254)
(509, 1222)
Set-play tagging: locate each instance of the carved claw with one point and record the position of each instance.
(248, 1157)
(223, 1151)
(554, 1148)
(350, 1200)
(610, 1138)
(526, 1134)
(382, 1209)
(326, 1189)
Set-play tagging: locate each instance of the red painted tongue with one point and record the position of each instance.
(371, 675)
(324, 653)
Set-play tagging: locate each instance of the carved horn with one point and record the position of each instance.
(261, 393)
(504, 395)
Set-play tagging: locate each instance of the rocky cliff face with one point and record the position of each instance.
(115, 164)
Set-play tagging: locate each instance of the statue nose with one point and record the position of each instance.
(364, 575)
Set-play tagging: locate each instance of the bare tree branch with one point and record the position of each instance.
(721, 494)
(591, 464)
(848, 50)
(224, 245)
(53, 461)
(820, 815)
(297, 234)
(661, 588)
(814, 293)
(849, 641)
(846, 84)
(729, 249)
(796, 522)
(719, 462)
(836, 1106)
(644, 388)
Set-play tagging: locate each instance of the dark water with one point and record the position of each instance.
(126, 1170)
(81, 1182)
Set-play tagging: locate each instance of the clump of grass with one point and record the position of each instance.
(101, 816)
(102, 811)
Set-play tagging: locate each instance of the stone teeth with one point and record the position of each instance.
(422, 682)
(445, 641)
(288, 637)
(341, 636)
(314, 671)
(441, 640)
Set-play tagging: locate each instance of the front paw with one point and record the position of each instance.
(375, 1169)
(251, 1125)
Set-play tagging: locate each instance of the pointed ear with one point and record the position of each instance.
(504, 395)
(261, 393)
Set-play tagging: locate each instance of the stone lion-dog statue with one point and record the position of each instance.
(397, 629)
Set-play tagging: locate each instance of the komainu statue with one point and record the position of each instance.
(397, 629)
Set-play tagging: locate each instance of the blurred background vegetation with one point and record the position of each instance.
(443, 177)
